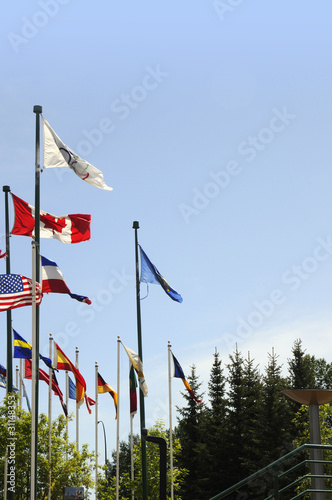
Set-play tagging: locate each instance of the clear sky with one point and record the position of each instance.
(211, 122)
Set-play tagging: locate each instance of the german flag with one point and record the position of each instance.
(103, 387)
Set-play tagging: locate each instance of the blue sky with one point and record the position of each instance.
(211, 121)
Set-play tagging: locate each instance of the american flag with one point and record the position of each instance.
(16, 291)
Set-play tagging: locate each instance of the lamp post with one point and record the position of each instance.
(313, 398)
(106, 472)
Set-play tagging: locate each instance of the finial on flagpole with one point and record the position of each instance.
(37, 109)
(135, 224)
(6, 189)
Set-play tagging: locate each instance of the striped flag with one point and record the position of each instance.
(54, 282)
(62, 362)
(22, 349)
(16, 291)
(104, 387)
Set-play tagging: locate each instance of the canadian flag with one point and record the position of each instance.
(72, 228)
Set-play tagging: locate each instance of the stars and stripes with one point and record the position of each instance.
(16, 291)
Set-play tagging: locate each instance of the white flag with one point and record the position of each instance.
(138, 365)
(57, 154)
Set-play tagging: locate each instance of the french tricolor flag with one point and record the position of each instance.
(54, 282)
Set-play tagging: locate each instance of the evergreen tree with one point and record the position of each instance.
(235, 422)
(193, 448)
(252, 423)
(215, 430)
(301, 368)
(276, 413)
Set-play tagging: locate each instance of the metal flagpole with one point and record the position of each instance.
(50, 374)
(140, 353)
(132, 470)
(21, 381)
(67, 398)
(17, 386)
(170, 418)
(96, 426)
(118, 423)
(77, 405)
(9, 384)
(35, 314)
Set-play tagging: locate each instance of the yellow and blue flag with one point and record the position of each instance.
(22, 349)
(150, 274)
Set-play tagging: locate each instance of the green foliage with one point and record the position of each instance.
(76, 471)
(107, 489)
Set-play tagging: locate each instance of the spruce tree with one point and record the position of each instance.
(235, 422)
(193, 450)
(215, 431)
(252, 425)
(301, 368)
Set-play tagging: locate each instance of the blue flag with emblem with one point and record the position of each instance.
(150, 274)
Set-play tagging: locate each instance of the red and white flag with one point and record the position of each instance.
(16, 291)
(54, 282)
(72, 228)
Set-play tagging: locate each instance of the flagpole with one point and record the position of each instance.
(170, 418)
(118, 422)
(9, 385)
(21, 381)
(35, 314)
(77, 405)
(96, 427)
(132, 473)
(67, 398)
(17, 386)
(50, 374)
(140, 353)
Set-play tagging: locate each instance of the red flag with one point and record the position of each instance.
(43, 376)
(89, 402)
(132, 391)
(72, 228)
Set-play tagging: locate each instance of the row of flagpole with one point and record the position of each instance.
(55, 155)
(175, 372)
